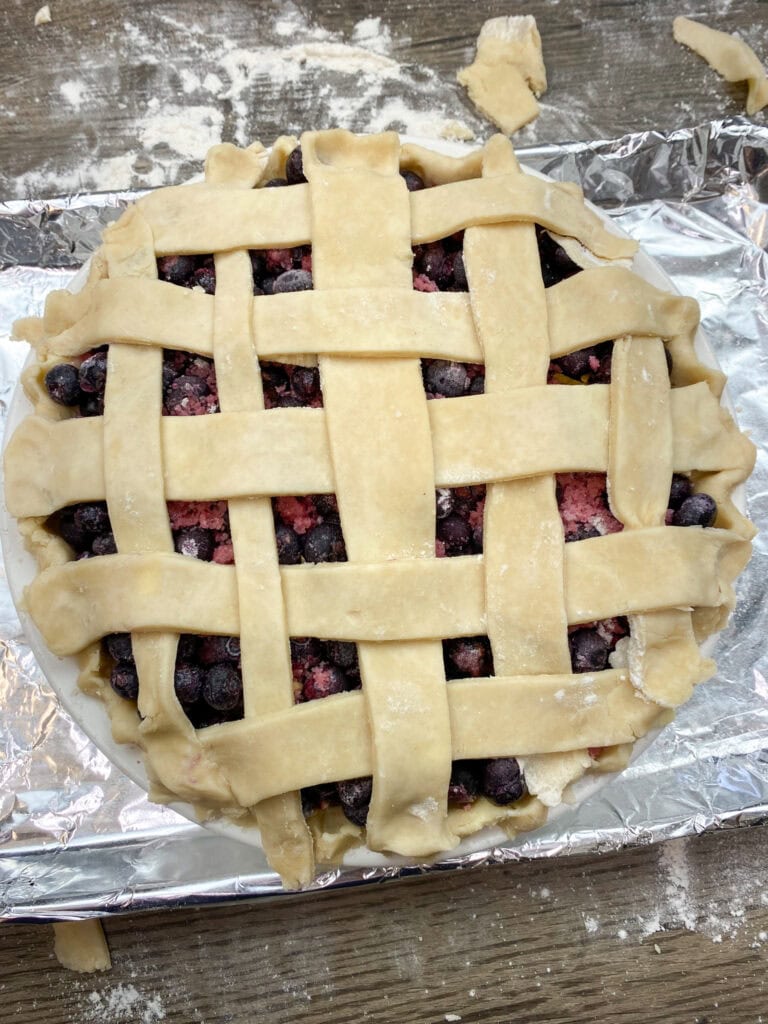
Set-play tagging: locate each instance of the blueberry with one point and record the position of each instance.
(62, 382)
(455, 533)
(188, 682)
(556, 264)
(576, 364)
(305, 650)
(215, 649)
(325, 543)
(205, 278)
(223, 687)
(446, 378)
(429, 259)
(589, 652)
(464, 786)
(327, 507)
(92, 405)
(104, 544)
(276, 183)
(294, 167)
(186, 388)
(274, 375)
(176, 269)
(443, 502)
(342, 653)
(292, 281)
(582, 532)
(194, 542)
(74, 535)
(413, 181)
(92, 517)
(267, 285)
(119, 646)
(355, 797)
(288, 547)
(323, 680)
(477, 538)
(502, 781)
(460, 273)
(93, 373)
(125, 680)
(465, 657)
(698, 510)
(306, 382)
(680, 489)
(477, 387)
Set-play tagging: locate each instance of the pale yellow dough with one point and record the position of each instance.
(383, 449)
(508, 72)
(728, 55)
(81, 946)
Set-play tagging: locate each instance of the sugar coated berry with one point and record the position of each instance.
(223, 687)
(125, 680)
(468, 656)
(195, 542)
(68, 530)
(325, 543)
(455, 533)
(104, 544)
(698, 510)
(680, 489)
(413, 181)
(444, 378)
(188, 682)
(443, 502)
(93, 373)
(214, 649)
(342, 653)
(62, 382)
(92, 517)
(323, 680)
(176, 269)
(576, 364)
(464, 786)
(119, 646)
(502, 781)
(355, 797)
(306, 382)
(205, 278)
(305, 650)
(288, 547)
(292, 281)
(589, 651)
(294, 167)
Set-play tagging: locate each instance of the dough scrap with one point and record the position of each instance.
(508, 72)
(728, 55)
(43, 16)
(81, 946)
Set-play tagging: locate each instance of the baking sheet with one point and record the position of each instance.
(78, 839)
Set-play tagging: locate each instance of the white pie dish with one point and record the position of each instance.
(91, 714)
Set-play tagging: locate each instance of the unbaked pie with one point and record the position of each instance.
(377, 496)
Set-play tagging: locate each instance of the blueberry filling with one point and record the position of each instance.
(189, 271)
(468, 657)
(287, 386)
(586, 366)
(556, 264)
(445, 378)
(308, 529)
(459, 529)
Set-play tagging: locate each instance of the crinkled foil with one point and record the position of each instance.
(78, 839)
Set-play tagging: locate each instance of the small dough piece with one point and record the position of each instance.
(508, 72)
(43, 16)
(728, 55)
(81, 946)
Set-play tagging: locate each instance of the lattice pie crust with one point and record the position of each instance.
(383, 450)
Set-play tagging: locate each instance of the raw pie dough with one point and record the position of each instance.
(81, 946)
(367, 329)
(728, 55)
(508, 72)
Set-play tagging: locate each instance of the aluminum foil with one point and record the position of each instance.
(78, 839)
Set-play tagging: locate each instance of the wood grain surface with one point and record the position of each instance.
(664, 935)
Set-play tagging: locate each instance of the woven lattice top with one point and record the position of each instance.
(382, 449)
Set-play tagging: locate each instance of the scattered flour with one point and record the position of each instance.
(123, 1003)
(350, 81)
(74, 93)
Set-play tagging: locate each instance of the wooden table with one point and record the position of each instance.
(666, 934)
